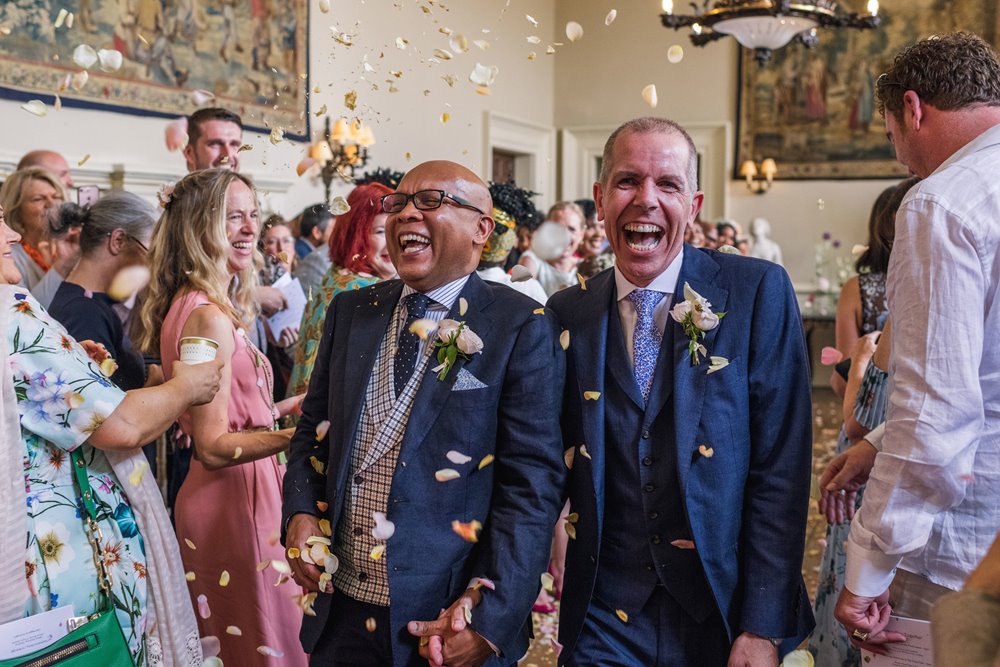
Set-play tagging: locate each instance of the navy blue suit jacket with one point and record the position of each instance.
(746, 504)
(517, 497)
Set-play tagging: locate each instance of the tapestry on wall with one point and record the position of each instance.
(814, 111)
(251, 55)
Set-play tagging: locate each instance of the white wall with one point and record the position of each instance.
(407, 121)
(600, 86)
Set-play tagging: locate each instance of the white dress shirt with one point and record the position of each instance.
(666, 282)
(932, 504)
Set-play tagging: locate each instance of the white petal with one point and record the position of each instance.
(574, 31)
(531, 20)
(384, 529)
(458, 43)
(446, 475)
(110, 59)
(339, 205)
(324, 6)
(84, 56)
(200, 97)
(649, 95)
(458, 458)
(610, 18)
(36, 107)
(483, 75)
(675, 53)
(520, 273)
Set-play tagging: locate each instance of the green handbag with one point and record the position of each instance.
(98, 638)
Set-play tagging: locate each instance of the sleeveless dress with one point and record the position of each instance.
(829, 642)
(229, 520)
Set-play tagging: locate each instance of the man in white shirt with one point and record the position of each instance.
(932, 505)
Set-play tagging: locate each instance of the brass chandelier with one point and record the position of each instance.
(766, 25)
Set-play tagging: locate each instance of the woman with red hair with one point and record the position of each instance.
(360, 258)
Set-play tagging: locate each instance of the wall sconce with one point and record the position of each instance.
(759, 180)
(341, 150)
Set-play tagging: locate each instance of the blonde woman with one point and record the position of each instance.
(204, 263)
(28, 196)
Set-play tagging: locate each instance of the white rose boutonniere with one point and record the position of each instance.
(454, 339)
(695, 316)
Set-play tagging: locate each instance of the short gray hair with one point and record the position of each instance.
(115, 210)
(651, 125)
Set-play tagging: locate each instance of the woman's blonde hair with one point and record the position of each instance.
(13, 191)
(189, 251)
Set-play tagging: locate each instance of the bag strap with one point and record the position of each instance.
(93, 529)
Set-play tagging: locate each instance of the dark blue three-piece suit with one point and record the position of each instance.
(517, 497)
(676, 553)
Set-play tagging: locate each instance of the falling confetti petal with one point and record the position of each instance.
(463, 306)
(135, 477)
(423, 328)
(384, 529)
(36, 107)
(649, 95)
(339, 205)
(583, 452)
(224, 578)
(799, 658)
(324, 6)
(324, 525)
(591, 395)
(277, 135)
(675, 53)
(175, 134)
(445, 117)
(83, 160)
(74, 399)
(531, 56)
(468, 614)
(351, 99)
(482, 44)
(237, 453)
(293, 553)
(483, 75)
(321, 429)
(548, 581)
(568, 457)
(203, 609)
(574, 31)
(820, 204)
(683, 544)
(60, 18)
(458, 458)
(234, 631)
(190, 544)
(370, 624)
(210, 646)
(446, 475)
(110, 60)
(84, 56)
(830, 356)
(128, 281)
(443, 54)
(706, 451)
(272, 652)
(570, 530)
(213, 661)
(109, 366)
(583, 282)
(488, 459)
(538, 311)
(317, 465)
(377, 552)
(534, 39)
(458, 44)
(200, 97)
(610, 18)
(322, 506)
(727, 249)
(401, 42)
(190, 576)
(467, 531)
(621, 615)
(263, 565)
(531, 20)
(304, 165)
(564, 339)
(549, 50)
(79, 80)
(520, 273)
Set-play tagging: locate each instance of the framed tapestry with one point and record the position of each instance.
(813, 111)
(251, 55)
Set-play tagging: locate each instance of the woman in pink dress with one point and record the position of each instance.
(204, 262)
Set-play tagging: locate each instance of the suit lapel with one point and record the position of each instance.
(662, 387)
(433, 393)
(617, 362)
(368, 327)
(699, 271)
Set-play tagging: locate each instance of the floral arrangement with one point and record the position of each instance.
(695, 316)
(454, 339)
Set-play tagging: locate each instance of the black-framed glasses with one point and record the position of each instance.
(139, 243)
(424, 200)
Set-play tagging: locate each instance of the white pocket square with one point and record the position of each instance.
(465, 381)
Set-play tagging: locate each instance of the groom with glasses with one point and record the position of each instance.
(435, 457)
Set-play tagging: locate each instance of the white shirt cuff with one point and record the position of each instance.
(875, 437)
(869, 572)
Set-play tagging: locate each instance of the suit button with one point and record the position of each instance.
(649, 488)
(656, 539)
(645, 434)
(654, 515)
(362, 576)
(647, 461)
(358, 479)
(359, 531)
(649, 566)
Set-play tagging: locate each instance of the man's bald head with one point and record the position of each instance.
(50, 161)
(466, 182)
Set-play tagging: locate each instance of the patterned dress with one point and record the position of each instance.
(829, 642)
(62, 398)
(337, 280)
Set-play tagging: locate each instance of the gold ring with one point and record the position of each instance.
(424, 641)
(859, 635)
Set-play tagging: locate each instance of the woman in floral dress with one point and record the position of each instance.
(61, 400)
(360, 259)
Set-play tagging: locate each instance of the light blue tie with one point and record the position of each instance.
(646, 338)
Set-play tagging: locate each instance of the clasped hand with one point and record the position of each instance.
(449, 640)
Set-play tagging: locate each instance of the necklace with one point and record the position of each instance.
(36, 255)
(265, 385)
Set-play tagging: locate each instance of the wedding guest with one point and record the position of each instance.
(966, 625)
(595, 240)
(509, 202)
(690, 473)
(560, 272)
(204, 262)
(27, 196)
(52, 162)
(711, 234)
(932, 503)
(215, 136)
(278, 247)
(728, 232)
(694, 235)
(358, 258)
(316, 224)
(62, 406)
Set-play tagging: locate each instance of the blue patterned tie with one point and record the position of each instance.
(409, 343)
(646, 338)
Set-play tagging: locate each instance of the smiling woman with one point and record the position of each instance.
(27, 195)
